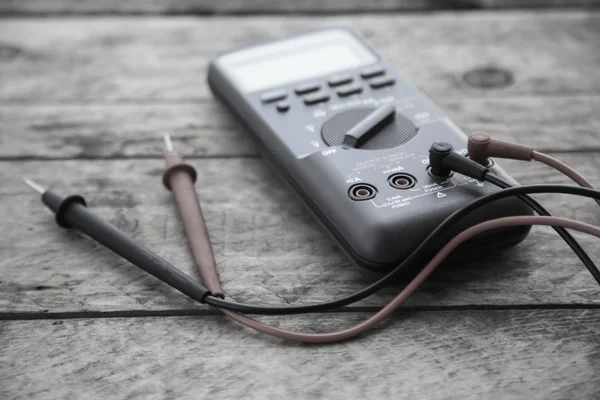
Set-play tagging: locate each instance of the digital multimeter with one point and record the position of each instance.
(352, 137)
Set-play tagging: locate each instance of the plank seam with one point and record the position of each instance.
(24, 316)
(491, 96)
(464, 6)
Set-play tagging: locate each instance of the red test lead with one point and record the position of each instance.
(191, 214)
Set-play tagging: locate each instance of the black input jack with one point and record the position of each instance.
(402, 181)
(362, 191)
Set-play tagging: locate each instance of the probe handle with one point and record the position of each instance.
(179, 178)
(71, 212)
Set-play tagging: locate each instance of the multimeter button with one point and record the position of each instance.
(349, 90)
(307, 88)
(372, 71)
(382, 81)
(283, 106)
(275, 95)
(338, 80)
(316, 98)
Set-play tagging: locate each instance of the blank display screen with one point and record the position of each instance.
(295, 59)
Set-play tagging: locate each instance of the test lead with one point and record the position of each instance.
(180, 177)
(184, 193)
(72, 212)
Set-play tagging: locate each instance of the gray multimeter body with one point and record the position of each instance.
(298, 96)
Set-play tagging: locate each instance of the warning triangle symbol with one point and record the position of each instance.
(440, 195)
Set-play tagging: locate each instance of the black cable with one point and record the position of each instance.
(567, 237)
(412, 257)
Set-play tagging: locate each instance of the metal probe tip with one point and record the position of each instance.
(168, 142)
(35, 186)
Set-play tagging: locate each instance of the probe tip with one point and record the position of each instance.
(35, 186)
(168, 142)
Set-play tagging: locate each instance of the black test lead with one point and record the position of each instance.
(72, 212)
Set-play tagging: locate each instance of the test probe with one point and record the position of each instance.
(72, 212)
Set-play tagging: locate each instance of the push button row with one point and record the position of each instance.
(375, 76)
(313, 93)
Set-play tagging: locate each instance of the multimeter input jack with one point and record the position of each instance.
(402, 181)
(362, 191)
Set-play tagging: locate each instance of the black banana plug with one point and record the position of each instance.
(72, 212)
(443, 161)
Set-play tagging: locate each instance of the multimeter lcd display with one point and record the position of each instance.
(295, 59)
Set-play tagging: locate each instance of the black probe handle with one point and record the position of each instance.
(71, 212)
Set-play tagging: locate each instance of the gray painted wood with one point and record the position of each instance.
(528, 354)
(268, 247)
(45, 7)
(568, 123)
(82, 101)
(108, 60)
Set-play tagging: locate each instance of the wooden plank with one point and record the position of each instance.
(208, 129)
(108, 60)
(528, 354)
(51, 7)
(268, 248)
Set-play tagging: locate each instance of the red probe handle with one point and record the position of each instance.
(179, 178)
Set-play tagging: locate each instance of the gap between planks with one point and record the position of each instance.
(484, 96)
(27, 316)
(58, 8)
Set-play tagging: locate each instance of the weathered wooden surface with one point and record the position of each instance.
(45, 7)
(538, 355)
(83, 102)
(267, 245)
(128, 60)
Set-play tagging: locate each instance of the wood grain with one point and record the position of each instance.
(268, 248)
(532, 354)
(206, 128)
(116, 60)
(50, 7)
(82, 102)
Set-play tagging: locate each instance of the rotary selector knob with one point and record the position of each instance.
(368, 128)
